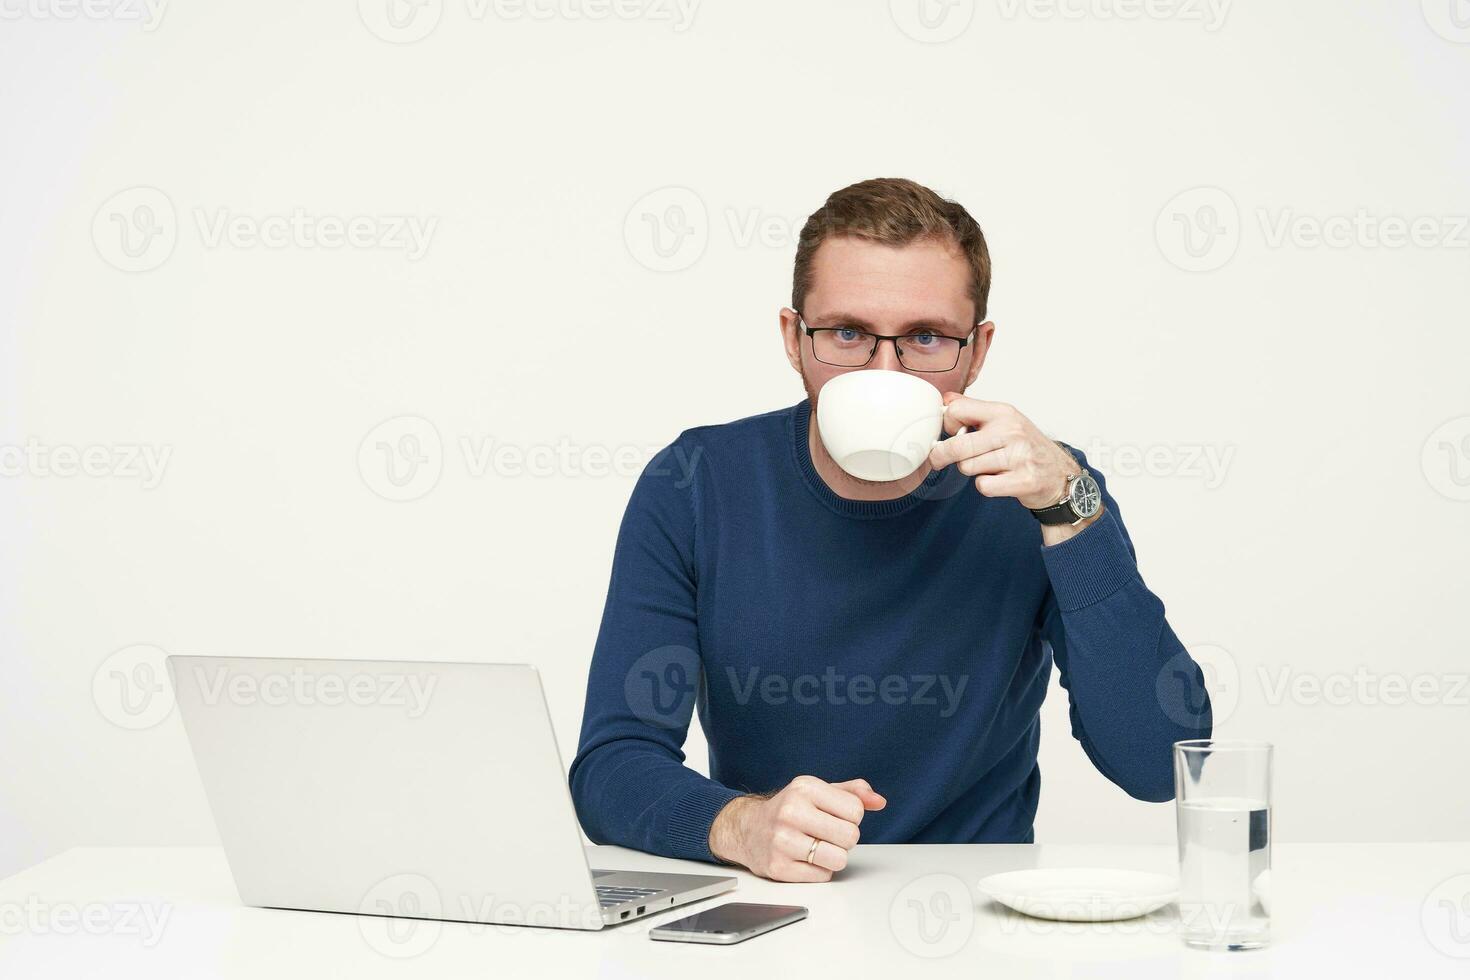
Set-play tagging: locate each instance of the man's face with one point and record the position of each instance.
(922, 286)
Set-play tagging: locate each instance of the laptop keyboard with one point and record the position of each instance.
(610, 895)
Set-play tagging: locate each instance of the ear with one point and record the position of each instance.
(979, 347)
(791, 337)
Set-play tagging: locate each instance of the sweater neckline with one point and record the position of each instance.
(797, 424)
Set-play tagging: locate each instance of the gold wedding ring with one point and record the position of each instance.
(811, 851)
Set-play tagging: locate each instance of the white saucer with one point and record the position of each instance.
(1081, 894)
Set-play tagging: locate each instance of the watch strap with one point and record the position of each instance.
(1061, 513)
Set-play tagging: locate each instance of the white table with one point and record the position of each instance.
(1340, 910)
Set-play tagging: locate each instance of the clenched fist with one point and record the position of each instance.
(772, 836)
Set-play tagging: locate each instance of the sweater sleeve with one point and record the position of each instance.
(1132, 687)
(628, 780)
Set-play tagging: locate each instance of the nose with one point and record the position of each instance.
(885, 358)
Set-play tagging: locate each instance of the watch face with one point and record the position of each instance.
(1086, 497)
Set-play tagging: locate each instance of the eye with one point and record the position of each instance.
(925, 338)
(847, 334)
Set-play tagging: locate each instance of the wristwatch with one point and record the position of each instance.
(1082, 500)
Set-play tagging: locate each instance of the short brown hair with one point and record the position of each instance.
(893, 211)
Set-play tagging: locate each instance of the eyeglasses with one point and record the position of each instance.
(920, 350)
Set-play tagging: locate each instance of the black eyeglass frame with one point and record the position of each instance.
(878, 338)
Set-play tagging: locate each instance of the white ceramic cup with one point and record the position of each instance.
(878, 424)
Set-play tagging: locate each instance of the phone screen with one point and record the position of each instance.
(732, 917)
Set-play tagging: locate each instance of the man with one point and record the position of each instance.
(869, 659)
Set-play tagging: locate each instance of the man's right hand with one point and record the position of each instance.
(772, 835)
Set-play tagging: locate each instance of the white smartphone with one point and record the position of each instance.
(733, 922)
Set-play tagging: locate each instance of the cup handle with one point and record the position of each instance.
(963, 430)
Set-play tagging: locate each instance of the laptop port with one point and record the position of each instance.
(623, 916)
(641, 908)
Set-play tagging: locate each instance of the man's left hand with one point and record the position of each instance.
(1007, 455)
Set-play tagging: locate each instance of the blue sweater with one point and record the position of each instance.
(908, 642)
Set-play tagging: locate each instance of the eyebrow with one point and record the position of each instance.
(850, 319)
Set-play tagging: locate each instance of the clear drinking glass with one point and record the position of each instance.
(1222, 791)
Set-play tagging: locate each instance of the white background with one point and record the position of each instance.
(1325, 546)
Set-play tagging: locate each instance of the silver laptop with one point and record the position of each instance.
(423, 790)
